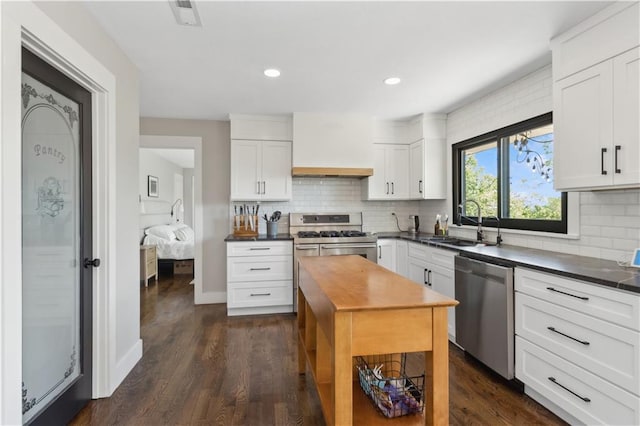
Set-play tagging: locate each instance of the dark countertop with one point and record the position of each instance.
(604, 272)
(260, 237)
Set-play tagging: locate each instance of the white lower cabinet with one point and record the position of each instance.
(387, 253)
(578, 346)
(402, 255)
(259, 277)
(434, 267)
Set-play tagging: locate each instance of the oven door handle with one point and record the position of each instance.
(314, 247)
(346, 246)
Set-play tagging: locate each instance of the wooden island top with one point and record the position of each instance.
(350, 306)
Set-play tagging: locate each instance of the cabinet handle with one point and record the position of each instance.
(387, 188)
(584, 342)
(554, 381)
(260, 294)
(420, 186)
(618, 148)
(260, 269)
(429, 276)
(602, 152)
(264, 187)
(568, 294)
(379, 252)
(392, 192)
(426, 281)
(260, 248)
(258, 191)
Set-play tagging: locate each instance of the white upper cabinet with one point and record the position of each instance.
(409, 160)
(595, 97)
(260, 170)
(427, 169)
(260, 162)
(261, 127)
(390, 178)
(426, 135)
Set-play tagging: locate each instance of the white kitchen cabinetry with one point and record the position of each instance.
(402, 256)
(596, 98)
(427, 169)
(578, 346)
(390, 178)
(260, 170)
(435, 268)
(259, 277)
(387, 253)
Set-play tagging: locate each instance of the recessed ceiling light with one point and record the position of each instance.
(272, 72)
(392, 80)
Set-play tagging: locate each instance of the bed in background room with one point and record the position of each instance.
(174, 247)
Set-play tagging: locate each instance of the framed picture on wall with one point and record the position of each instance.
(152, 186)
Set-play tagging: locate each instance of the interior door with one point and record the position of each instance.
(56, 244)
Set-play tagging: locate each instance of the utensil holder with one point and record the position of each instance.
(272, 229)
(242, 226)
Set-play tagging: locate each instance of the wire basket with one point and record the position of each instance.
(384, 381)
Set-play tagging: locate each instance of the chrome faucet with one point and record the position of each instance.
(480, 232)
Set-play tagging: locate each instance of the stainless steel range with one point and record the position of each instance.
(328, 234)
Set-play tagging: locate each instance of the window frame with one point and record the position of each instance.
(540, 225)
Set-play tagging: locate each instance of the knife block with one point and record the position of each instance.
(242, 226)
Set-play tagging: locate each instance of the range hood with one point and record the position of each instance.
(331, 172)
(332, 145)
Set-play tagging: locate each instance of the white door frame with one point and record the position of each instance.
(195, 143)
(23, 23)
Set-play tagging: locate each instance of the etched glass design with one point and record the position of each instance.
(50, 245)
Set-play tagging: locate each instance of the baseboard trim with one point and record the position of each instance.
(125, 365)
(211, 297)
(285, 309)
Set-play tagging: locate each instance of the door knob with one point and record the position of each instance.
(89, 262)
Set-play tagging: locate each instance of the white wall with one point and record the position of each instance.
(609, 221)
(157, 209)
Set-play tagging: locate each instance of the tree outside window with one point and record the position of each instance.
(509, 173)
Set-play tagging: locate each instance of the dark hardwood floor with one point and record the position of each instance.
(202, 368)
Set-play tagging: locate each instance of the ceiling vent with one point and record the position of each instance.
(185, 12)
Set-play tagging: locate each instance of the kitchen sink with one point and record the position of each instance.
(450, 241)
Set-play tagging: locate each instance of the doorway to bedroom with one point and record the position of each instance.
(167, 206)
(174, 210)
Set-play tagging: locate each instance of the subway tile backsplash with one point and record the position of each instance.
(333, 194)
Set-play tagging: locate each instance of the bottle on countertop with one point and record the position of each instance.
(436, 230)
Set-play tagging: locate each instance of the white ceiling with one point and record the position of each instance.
(333, 55)
(184, 158)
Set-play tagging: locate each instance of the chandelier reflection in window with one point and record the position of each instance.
(533, 159)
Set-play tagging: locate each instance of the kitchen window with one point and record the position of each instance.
(509, 173)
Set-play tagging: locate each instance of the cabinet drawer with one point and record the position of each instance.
(616, 306)
(419, 251)
(151, 266)
(260, 248)
(442, 257)
(259, 268)
(272, 293)
(607, 404)
(610, 351)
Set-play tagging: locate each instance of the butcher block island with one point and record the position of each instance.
(350, 306)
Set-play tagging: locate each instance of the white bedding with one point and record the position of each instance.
(170, 248)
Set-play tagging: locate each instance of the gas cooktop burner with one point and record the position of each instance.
(331, 234)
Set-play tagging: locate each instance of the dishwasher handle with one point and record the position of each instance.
(482, 269)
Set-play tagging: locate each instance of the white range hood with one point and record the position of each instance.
(332, 145)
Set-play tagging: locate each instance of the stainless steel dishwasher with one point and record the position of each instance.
(484, 317)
